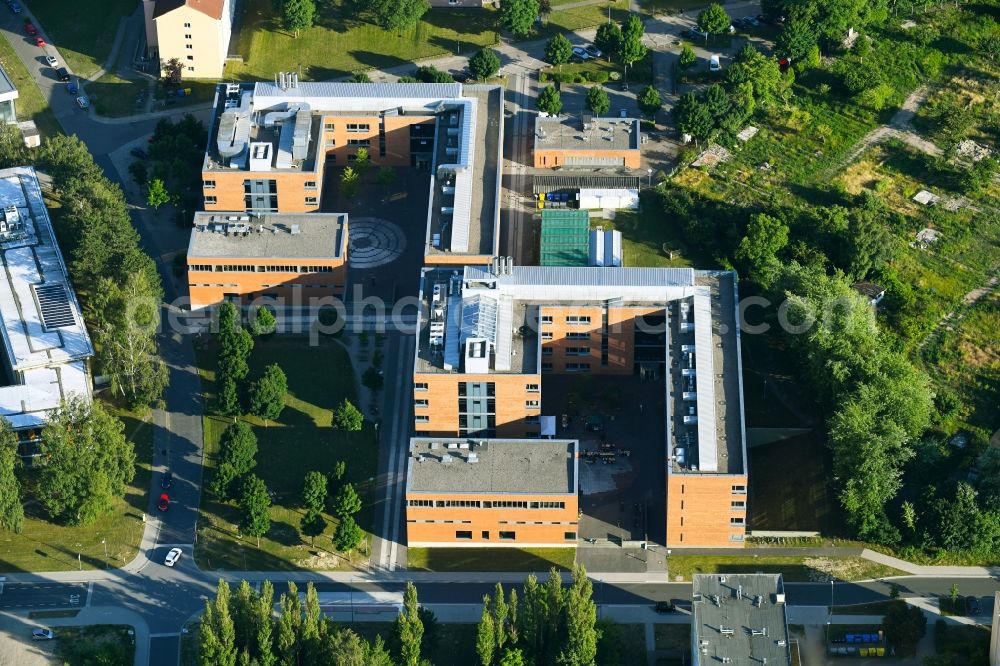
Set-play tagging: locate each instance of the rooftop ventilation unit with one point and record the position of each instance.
(473, 457)
(446, 459)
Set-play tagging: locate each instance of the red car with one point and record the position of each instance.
(164, 502)
(39, 42)
(30, 28)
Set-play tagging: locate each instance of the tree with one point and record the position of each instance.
(314, 491)
(138, 172)
(348, 535)
(216, 632)
(609, 38)
(267, 394)
(904, 626)
(347, 417)
(255, 503)
(549, 101)
(765, 237)
(386, 176)
(484, 64)
(398, 15)
(692, 117)
(990, 46)
(349, 183)
(362, 161)
(518, 15)
(714, 20)
(409, 628)
(979, 176)
(346, 503)
(795, 40)
(227, 399)
(125, 319)
(581, 622)
(558, 50)
(11, 507)
(649, 101)
(298, 15)
(339, 469)
(173, 71)
(262, 321)
(597, 101)
(633, 50)
(157, 194)
(313, 525)
(486, 635)
(359, 76)
(687, 58)
(238, 447)
(87, 462)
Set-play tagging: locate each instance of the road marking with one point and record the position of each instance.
(90, 592)
(174, 634)
(74, 600)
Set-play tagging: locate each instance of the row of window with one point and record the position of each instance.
(297, 285)
(575, 320)
(487, 504)
(423, 403)
(250, 268)
(737, 489)
(530, 388)
(465, 535)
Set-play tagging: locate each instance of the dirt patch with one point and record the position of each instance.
(322, 561)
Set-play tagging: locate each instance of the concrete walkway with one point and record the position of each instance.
(930, 570)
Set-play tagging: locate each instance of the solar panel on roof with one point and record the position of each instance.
(53, 303)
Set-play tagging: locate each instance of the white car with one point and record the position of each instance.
(52, 60)
(83, 102)
(172, 557)
(714, 65)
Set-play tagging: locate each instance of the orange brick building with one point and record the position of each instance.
(564, 141)
(285, 258)
(272, 144)
(490, 335)
(492, 492)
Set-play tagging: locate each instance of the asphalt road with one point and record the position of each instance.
(43, 595)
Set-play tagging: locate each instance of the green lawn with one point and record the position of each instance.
(489, 559)
(46, 546)
(95, 644)
(30, 104)
(319, 377)
(83, 31)
(588, 16)
(643, 235)
(794, 569)
(591, 70)
(342, 42)
(114, 96)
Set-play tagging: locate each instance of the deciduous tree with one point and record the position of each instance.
(348, 535)
(687, 58)
(633, 50)
(256, 504)
(157, 194)
(650, 102)
(347, 417)
(609, 39)
(314, 491)
(549, 101)
(714, 20)
(267, 394)
(298, 15)
(484, 64)
(410, 628)
(558, 50)
(518, 16)
(399, 15)
(346, 503)
(597, 101)
(11, 506)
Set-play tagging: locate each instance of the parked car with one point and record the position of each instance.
(42, 634)
(751, 21)
(14, 7)
(84, 103)
(593, 51)
(695, 32)
(714, 65)
(172, 557)
(30, 28)
(581, 53)
(39, 42)
(623, 113)
(63, 74)
(664, 607)
(164, 502)
(972, 606)
(52, 61)
(72, 88)
(168, 477)
(687, 34)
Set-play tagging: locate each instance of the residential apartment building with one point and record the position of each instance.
(489, 336)
(272, 144)
(195, 32)
(492, 492)
(285, 258)
(566, 141)
(46, 348)
(8, 95)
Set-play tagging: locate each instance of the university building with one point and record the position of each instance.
(491, 334)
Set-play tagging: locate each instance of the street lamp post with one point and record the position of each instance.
(649, 177)
(104, 542)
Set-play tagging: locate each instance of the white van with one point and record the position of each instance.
(714, 65)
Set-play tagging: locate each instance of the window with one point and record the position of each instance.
(577, 367)
(740, 490)
(422, 404)
(208, 184)
(452, 2)
(577, 320)
(329, 127)
(547, 335)
(510, 504)
(532, 420)
(486, 535)
(311, 201)
(188, 46)
(548, 505)
(210, 201)
(190, 69)
(420, 386)
(359, 142)
(310, 185)
(532, 388)
(736, 537)
(316, 269)
(546, 351)
(507, 536)
(569, 536)
(207, 268)
(546, 367)
(737, 520)
(547, 319)
(190, 57)
(532, 404)
(187, 25)
(187, 36)
(420, 502)
(422, 419)
(738, 504)
(358, 127)
(331, 143)
(578, 336)
(463, 534)
(577, 351)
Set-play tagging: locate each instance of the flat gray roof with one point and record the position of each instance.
(569, 133)
(268, 236)
(534, 466)
(740, 617)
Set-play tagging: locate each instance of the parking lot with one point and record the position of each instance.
(619, 422)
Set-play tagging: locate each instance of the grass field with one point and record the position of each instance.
(577, 18)
(114, 96)
(643, 235)
(341, 42)
(95, 644)
(30, 104)
(538, 560)
(82, 31)
(794, 568)
(45, 546)
(319, 378)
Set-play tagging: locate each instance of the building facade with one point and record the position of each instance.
(8, 95)
(195, 32)
(492, 492)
